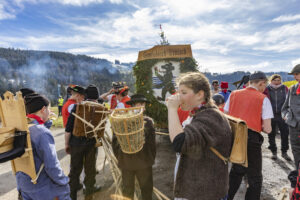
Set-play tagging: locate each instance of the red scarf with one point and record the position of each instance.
(193, 112)
(113, 102)
(37, 118)
(298, 89)
(224, 90)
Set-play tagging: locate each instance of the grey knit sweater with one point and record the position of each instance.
(201, 174)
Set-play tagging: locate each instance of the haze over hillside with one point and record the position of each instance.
(50, 72)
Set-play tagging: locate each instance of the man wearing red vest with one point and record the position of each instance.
(252, 106)
(117, 96)
(77, 96)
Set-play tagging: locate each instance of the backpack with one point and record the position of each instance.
(238, 154)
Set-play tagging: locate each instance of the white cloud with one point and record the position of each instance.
(190, 8)
(116, 1)
(295, 62)
(287, 18)
(79, 2)
(5, 13)
(280, 39)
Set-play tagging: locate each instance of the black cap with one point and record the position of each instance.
(219, 99)
(26, 91)
(92, 92)
(78, 89)
(137, 98)
(257, 75)
(35, 102)
(296, 69)
(244, 80)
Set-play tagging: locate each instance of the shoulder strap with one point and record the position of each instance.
(225, 160)
(42, 165)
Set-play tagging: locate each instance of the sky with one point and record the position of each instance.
(225, 35)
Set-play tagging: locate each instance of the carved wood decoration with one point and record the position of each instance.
(13, 115)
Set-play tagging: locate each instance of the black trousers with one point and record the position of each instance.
(254, 170)
(295, 143)
(59, 110)
(82, 156)
(277, 121)
(145, 180)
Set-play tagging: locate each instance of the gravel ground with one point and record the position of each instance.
(274, 172)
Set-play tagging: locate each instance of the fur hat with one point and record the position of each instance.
(35, 102)
(26, 91)
(92, 92)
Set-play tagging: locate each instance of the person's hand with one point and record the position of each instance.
(67, 149)
(111, 90)
(173, 102)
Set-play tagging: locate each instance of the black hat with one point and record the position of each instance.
(257, 75)
(35, 102)
(219, 99)
(92, 92)
(78, 89)
(244, 80)
(137, 98)
(26, 91)
(296, 69)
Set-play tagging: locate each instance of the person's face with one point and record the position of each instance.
(261, 86)
(80, 98)
(297, 76)
(216, 86)
(139, 104)
(189, 99)
(45, 113)
(276, 81)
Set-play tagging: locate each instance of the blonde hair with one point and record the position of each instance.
(274, 76)
(196, 81)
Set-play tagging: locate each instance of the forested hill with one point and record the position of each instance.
(46, 71)
(49, 72)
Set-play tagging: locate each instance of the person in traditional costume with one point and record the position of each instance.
(51, 183)
(83, 153)
(224, 90)
(291, 114)
(199, 173)
(139, 164)
(117, 96)
(277, 93)
(77, 96)
(252, 106)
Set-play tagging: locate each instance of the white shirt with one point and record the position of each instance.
(119, 104)
(267, 111)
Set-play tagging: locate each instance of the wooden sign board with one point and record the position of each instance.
(166, 51)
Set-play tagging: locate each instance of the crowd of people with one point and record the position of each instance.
(196, 121)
